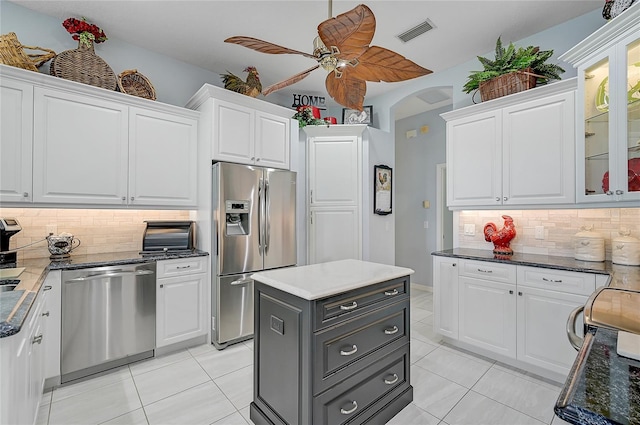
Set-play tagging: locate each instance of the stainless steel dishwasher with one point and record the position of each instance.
(108, 318)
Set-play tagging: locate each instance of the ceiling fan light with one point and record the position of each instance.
(319, 49)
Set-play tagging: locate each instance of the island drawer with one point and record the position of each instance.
(344, 306)
(557, 280)
(357, 398)
(505, 273)
(344, 348)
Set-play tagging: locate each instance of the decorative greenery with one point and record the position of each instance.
(305, 117)
(84, 32)
(514, 59)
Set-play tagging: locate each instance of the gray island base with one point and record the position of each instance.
(331, 344)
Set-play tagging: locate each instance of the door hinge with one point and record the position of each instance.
(213, 323)
(311, 217)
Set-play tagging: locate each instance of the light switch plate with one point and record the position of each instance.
(539, 231)
(470, 229)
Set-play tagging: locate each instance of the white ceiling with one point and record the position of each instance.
(193, 31)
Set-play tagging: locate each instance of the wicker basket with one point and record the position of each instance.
(133, 83)
(510, 83)
(83, 66)
(12, 53)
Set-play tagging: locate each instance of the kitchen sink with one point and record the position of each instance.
(7, 288)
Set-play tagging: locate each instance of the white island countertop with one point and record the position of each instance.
(326, 279)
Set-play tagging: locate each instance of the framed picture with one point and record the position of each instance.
(353, 116)
(382, 186)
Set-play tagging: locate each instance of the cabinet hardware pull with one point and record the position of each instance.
(350, 352)
(505, 198)
(519, 293)
(47, 288)
(184, 267)
(390, 293)
(46, 314)
(485, 271)
(608, 192)
(132, 198)
(498, 198)
(162, 286)
(619, 192)
(454, 264)
(257, 159)
(124, 198)
(391, 331)
(552, 280)
(349, 307)
(25, 195)
(37, 339)
(350, 411)
(585, 243)
(392, 380)
(511, 292)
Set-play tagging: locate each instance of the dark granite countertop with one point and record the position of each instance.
(15, 305)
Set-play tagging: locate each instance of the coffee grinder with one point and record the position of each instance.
(8, 228)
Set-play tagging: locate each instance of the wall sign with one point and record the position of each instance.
(303, 99)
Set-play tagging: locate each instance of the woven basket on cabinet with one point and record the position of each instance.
(83, 66)
(12, 53)
(506, 84)
(133, 83)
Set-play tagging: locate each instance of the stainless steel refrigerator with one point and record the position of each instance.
(253, 229)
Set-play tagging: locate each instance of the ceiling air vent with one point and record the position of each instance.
(416, 31)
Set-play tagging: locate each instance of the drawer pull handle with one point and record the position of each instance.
(391, 293)
(350, 352)
(37, 339)
(350, 411)
(46, 313)
(47, 288)
(392, 380)
(485, 271)
(391, 331)
(349, 307)
(184, 267)
(552, 280)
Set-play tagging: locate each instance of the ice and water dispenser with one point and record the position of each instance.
(237, 217)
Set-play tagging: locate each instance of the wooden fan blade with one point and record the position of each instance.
(289, 81)
(346, 90)
(265, 46)
(351, 32)
(380, 64)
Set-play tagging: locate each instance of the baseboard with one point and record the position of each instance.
(421, 288)
(160, 351)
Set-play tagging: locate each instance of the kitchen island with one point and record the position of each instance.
(331, 344)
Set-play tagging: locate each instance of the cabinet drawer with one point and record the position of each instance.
(345, 306)
(369, 389)
(557, 280)
(496, 272)
(352, 341)
(181, 266)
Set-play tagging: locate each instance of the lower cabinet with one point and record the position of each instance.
(445, 296)
(347, 356)
(52, 316)
(181, 295)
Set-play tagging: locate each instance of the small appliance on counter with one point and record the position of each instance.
(168, 237)
(625, 249)
(60, 246)
(588, 245)
(8, 228)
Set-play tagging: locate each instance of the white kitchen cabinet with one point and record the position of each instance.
(163, 151)
(52, 318)
(16, 135)
(608, 116)
(243, 129)
(36, 352)
(334, 234)
(515, 150)
(181, 295)
(445, 296)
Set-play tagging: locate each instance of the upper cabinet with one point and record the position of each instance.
(244, 130)
(608, 118)
(91, 146)
(516, 150)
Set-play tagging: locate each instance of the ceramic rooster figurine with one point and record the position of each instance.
(501, 238)
(251, 87)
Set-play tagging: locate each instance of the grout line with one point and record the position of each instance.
(138, 392)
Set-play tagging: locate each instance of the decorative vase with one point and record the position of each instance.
(84, 66)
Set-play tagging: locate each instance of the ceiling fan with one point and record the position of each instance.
(342, 48)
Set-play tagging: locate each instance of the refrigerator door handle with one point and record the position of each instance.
(260, 215)
(267, 224)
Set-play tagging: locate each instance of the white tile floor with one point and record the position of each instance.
(204, 386)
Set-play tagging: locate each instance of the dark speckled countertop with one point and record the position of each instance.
(15, 305)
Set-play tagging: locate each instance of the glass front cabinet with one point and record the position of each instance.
(608, 123)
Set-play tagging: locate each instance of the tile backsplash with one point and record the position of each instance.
(559, 228)
(99, 231)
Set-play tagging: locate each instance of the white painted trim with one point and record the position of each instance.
(441, 169)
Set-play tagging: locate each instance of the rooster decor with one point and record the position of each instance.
(501, 238)
(252, 87)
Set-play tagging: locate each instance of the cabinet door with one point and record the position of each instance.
(488, 315)
(52, 316)
(334, 234)
(80, 149)
(542, 335)
(629, 142)
(16, 126)
(445, 296)
(233, 133)
(538, 151)
(162, 159)
(474, 160)
(334, 170)
(180, 308)
(36, 350)
(273, 134)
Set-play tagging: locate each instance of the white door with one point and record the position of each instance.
(16, 130)
(333, 170)
(445, 296)
(233, 133)
(539, 151)
(162, 159)
(542, 335)
(488, 315)
(334, 234)
(273, 135)
(80, 149)
(180, 308)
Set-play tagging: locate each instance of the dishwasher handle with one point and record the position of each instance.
(114, 274)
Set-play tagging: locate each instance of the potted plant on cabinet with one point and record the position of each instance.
(512, 70)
